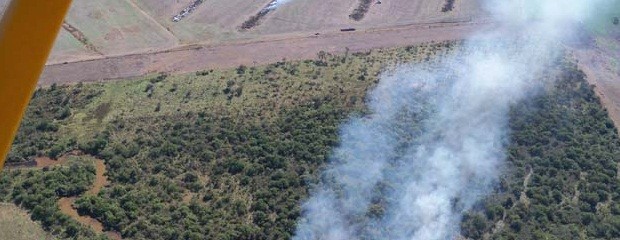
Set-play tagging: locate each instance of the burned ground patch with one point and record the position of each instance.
(360, 11)
(449, 6)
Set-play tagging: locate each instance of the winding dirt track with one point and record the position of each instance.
(199, 57)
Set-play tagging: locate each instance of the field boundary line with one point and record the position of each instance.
(150, 18)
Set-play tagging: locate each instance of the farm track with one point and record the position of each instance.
(191, 58)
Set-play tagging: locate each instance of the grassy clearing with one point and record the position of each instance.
(278, 85)
(15, 224)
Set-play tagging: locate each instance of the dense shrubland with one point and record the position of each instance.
(561, 179)
(39, 190)
(48, 110)
(218, 154)
(232, 154)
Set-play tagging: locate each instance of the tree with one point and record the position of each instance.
(473, 226)
(93, 147)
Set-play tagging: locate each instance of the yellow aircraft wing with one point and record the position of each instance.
(27, 33)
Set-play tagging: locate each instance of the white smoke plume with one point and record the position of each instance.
(275, 4)
(436, 138)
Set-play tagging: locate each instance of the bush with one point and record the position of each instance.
(55, 151)
(93, 147)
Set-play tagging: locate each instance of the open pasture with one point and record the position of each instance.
(106, 28)
(15, 224)
(117, 27)
(401, 12)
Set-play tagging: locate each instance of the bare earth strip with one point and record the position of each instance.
(194, 58)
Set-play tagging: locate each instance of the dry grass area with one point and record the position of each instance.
(118, 27)
(308, 16)
(68, 49)
(15, 224)
(601, 63)
(122, 27)
(326, 16)
(212, 21)
(162, 11)
(250, 54)
(393, 13)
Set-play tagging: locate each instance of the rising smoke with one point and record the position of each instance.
(274, 4)
(435, 140)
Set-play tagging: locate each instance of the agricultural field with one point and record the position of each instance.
(232, 154)
(162, 11)
(217, 21)
(212, 21)
(307, 16)
(99, 29)
(118, 27)
(68, 48)
(393, 13)
(15, 224)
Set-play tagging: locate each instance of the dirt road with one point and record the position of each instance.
(199, 57)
